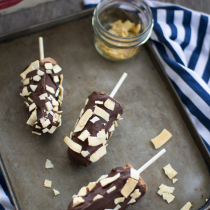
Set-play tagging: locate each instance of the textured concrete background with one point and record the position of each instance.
(48, 11)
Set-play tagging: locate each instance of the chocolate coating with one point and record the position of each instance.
(94, 128)
(42, 111)
(107, 202)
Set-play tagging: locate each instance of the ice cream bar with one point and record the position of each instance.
(88, 141)
(118, 190)
(43, 92)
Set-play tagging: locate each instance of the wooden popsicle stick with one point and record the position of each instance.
(41, 48)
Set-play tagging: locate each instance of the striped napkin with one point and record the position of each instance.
(180, 38)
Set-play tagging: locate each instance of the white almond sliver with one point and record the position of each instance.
(38, 127)
(168, 197)
(82, 192)
(30, 100)
(102, 177)
(187, 206)
(71, 134)
(99, 102)
(86, 101)
(50, 89)
(81, 112)
(111, 189)
(97, 197)
(33, 87)
(129, 187)
(94, 119)
(45, 130)
(47, 183)
(91, 185)
(32, 106)
(101, 113)
(40, 73)
(134, 173)
(119, 200)
(98, 154)
(174, 180)
(48, 71)
(77, 201)
(52, 129)
(56, 192)
(57, 69)
(36, 78)
(26, 81)
(57, 92)
(48, 164)
(48, 66)
(161, 139)
(132, 200)
(115, 123)
(169, 171)
(101, 135)
(109, 180)
(73, 145)
(135, 194)
(61, 79)
(43, 96)
(112, 128)
(109, 104)
(46, 123)
(84, 135)
(85, 153)
(25, 91)
(34, 132)
(61, 92)
(117, 207)
(32, 119)
(49, 106)
(94, 141)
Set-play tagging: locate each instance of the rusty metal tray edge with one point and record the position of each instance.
(88, 12)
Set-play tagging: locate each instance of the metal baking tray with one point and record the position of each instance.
(150, 105)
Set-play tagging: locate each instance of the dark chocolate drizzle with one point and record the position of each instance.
(107, 202)
(94, 128)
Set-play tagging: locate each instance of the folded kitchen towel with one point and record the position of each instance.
(180, 38)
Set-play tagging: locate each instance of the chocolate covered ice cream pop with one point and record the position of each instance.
(43, 92)
(88, 141)
(122, 187)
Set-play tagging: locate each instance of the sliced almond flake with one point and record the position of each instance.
(83, 120)
(117, 207)
(134, 174)
(37, 133)
(41, 120)
(57, 69)
(74, 196)
(169, 171)
(77, 201)
(32, 106)
(56, 192)
(135, 194)
(120, 118)
(168, 197)
(109, 104)
(56, 79)
(101, 135)
(115, 123)
(46, 123)
(55, 117)
(32, 119)
(36, 78)
(174, 180)
(102, 177)
(107, 135)
(60, 102)
(30, 99)
(61, 79)
(61, 92)
(48, 164)
(165, 189)
(71, 134)
(98, 154)
(34, 65)
(100, 112)
(81, 112)
(60, 121)
(26, 81)
(94, 141)
(45, 130)
(33, 87)
(129, 187)
(51, 113)
(49, 106)
(111, 189)
(47, 183)
(55, 102)
(94, 119)
(73, 145)
(50, 89)
(86, 102)
(57, 92)
(48, 66)
(38, 127)
(52, 129)
(112, 128)
(109, 180)
(40, 73)
(55, 109)
(119, 200)
(99, 102)
(25, 91)
(132, 200)
(82, 192)
(43, 96)
(91, 185)
(187, 206)
(84, 135)
(85, 153)
(161, 139)
(97, 197)
(48, 71)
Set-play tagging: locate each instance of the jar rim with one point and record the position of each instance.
(127, 38)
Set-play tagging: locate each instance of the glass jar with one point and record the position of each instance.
(111, 17)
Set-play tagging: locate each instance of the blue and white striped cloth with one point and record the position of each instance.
(181, 39)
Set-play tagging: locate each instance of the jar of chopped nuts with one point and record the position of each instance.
(120, 27)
